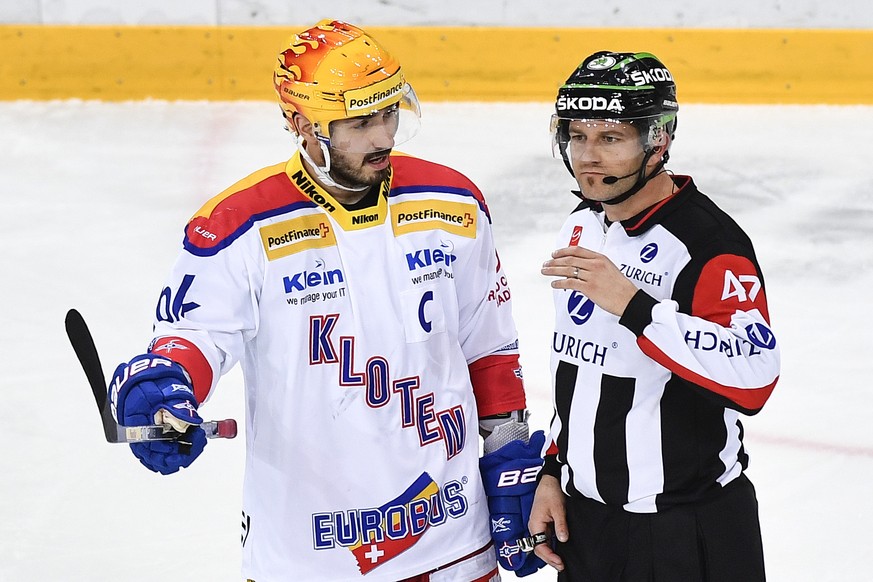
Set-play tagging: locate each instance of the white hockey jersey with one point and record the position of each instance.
(354, 329)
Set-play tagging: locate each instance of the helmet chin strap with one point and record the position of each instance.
(323, 172)
(642, 179)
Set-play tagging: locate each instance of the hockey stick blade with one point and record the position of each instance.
(86, 352)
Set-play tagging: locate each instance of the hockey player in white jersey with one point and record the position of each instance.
(362, 294)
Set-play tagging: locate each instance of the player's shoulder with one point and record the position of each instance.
(413, 175)
(230, 214)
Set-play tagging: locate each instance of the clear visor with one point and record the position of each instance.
(378, 130)
(614, 135)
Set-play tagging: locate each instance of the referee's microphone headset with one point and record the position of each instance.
(613, 179)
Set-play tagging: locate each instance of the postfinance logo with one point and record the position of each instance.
(420, 215)
(298, 234)
(375, 96)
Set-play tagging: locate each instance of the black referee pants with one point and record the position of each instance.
(716, 540)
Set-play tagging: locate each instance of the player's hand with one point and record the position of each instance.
(151, 389)
(593, 275)
(549, 516)
(509, 476)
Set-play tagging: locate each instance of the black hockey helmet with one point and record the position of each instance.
(633, 88)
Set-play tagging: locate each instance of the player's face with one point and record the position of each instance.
(359, 170)
(599, 148)
(359, 148)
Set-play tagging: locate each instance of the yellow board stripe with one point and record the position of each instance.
(442, 63)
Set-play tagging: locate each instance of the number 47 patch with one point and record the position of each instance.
(743, 287)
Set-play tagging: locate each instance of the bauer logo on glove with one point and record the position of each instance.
(125, 372)
(516, 477)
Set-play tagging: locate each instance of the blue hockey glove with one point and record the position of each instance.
(510, 478)
(151, 389)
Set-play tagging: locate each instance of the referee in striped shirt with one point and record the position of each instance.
(662, 341)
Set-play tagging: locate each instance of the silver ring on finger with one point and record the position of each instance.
(575, 272)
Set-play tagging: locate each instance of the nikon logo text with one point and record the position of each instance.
(308, 187)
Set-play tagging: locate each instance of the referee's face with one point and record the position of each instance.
(601, 149)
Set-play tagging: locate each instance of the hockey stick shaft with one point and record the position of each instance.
(86, 351)
(214, 429)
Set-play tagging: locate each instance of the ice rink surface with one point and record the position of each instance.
(95, 197)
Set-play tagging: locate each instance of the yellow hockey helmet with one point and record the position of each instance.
(335, 71)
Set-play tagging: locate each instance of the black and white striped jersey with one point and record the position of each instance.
(647, 406)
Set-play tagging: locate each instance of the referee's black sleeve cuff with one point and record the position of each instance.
(551, 466)
(638, 313)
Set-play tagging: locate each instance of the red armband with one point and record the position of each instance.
(497, 384)
(189, 357)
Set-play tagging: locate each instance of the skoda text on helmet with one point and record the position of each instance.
(336, 71)
(619, 88)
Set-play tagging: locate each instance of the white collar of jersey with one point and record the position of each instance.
(347, 219)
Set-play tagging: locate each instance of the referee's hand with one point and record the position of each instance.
(548, 515)
(591, 274)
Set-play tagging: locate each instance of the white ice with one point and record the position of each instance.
(94, 198)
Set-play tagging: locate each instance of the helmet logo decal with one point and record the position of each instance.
(589, 104)
(375, 96)
(601, 63)
(651, 76)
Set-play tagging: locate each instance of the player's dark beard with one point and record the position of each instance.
(352, 173)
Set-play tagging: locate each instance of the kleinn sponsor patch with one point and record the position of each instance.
(419, 215)
(313, 231)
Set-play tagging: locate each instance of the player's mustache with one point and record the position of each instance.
(376, 154)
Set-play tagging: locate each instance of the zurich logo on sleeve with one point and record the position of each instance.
(580, 308)
(649, 252)
(761, 335)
